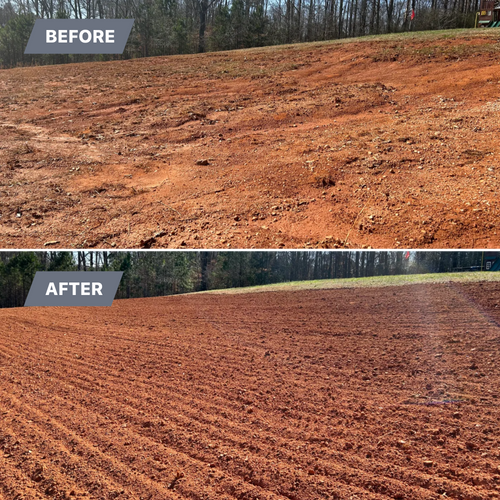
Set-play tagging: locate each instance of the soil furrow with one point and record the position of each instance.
(298, 395)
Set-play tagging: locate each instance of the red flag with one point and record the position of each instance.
(407, 255)
(412, 15)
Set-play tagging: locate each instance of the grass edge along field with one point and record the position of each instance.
(372, 282)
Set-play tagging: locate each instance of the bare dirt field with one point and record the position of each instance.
(382, 142)
(348, 394)
(388, 142)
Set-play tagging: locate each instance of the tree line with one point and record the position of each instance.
(150, 274)
(165, 27)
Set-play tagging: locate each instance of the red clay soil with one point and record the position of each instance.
(381, 142)
(347, 394)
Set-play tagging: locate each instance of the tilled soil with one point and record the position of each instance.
(380, 142)
(388, 393)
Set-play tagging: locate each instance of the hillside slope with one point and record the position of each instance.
(385, 142)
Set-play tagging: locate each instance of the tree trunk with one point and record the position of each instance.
(203, 25)
(341, 14)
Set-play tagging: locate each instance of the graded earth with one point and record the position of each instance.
(373, 394)
(379, 142)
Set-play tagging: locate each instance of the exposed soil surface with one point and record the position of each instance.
(341, 394)
(382, 142)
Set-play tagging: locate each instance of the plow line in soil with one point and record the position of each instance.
(289, 395)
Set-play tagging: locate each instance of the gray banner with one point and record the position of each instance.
(73, 288)
(79, 36)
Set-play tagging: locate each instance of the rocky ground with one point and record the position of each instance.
(378, 142)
